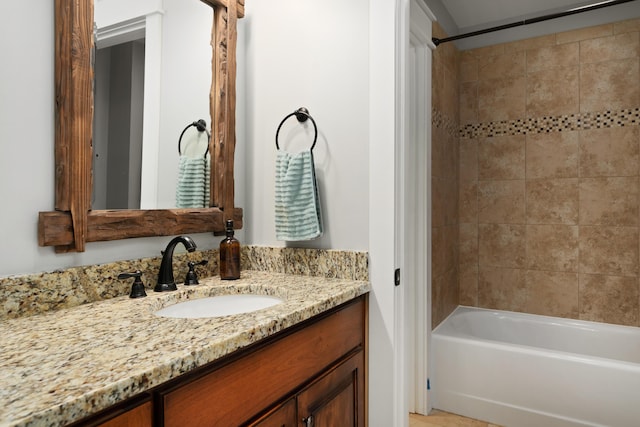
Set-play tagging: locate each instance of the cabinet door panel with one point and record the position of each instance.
(337, 398)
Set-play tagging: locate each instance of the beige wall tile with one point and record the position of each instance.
(438, 31)
(485, 51)
(553, 92)
(451, 247)
(609, 201)
(585, 34)
(610, 299)
(552, 155)
(626, 26)
(468, 202)
(610, 151)
(610, 85)
(468, 103)
(552, 247)
(437, 76)
(450, 90)
(501, 202)
(438, 251)
(438, 155)
(549, 57)
(501, 99)
(532, 43)
(552, 293)
(469, 285)
(451, 156)
(501, 157)
(451, 211)
(468, 69)
(552, 201)
(468, 244)
(468, 160)
(501, 245)
(438, 207)
(502, 288)
(500, 66)
(444, 294)
(609, 250)
(620, 46)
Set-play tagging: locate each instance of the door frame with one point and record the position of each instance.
(387, 362)
(413, 205)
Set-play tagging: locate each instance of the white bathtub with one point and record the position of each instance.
(517, 369)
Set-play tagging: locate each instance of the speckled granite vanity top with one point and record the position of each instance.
(61, 366)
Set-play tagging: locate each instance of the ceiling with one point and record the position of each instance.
(473, 13)
(463, 16)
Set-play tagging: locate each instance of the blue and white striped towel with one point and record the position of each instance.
(192, 190)
(297, 204)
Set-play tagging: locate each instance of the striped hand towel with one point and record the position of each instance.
(192, 190)
(297, 204)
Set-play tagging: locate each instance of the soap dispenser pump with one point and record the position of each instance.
(229, 255)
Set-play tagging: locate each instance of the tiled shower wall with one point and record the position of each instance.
(444, 177)
(548, 176)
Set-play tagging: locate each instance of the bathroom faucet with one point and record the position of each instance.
(166, 281)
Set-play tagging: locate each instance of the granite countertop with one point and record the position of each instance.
(61, 366)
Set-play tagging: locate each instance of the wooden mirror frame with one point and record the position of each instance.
(73, 223)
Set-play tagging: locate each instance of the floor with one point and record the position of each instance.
(445, 419)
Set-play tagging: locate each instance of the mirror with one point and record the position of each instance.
(73, 223)
(138, 42)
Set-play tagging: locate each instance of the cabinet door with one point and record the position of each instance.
(282, 416)
(336, 398)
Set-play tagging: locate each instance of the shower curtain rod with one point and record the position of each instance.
(595, 6)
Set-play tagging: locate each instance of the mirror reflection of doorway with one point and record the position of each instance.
(118, 124)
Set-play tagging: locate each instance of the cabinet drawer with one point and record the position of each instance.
(139, 417)
(235, 392)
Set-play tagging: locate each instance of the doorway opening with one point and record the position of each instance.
(118, 123)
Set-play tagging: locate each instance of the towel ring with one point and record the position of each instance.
(302, 114)
(201, 125)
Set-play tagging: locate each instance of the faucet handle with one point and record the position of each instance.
(137, 289)
(192, 279)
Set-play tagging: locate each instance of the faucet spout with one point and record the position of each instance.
(166, 282)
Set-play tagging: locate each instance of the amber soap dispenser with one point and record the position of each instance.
(229, 255)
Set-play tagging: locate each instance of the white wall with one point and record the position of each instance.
(315, 55)
(310, 54)
(331, 56)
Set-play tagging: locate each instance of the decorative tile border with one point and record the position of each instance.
(441, 121)
(37, 293)
(580, 121)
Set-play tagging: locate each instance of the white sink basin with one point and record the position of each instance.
(222, 305)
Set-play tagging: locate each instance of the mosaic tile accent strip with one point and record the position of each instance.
(38, 293)
(441, 121)
(580, 121)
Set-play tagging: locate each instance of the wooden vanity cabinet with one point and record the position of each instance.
(319, 364)
(311, 374)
